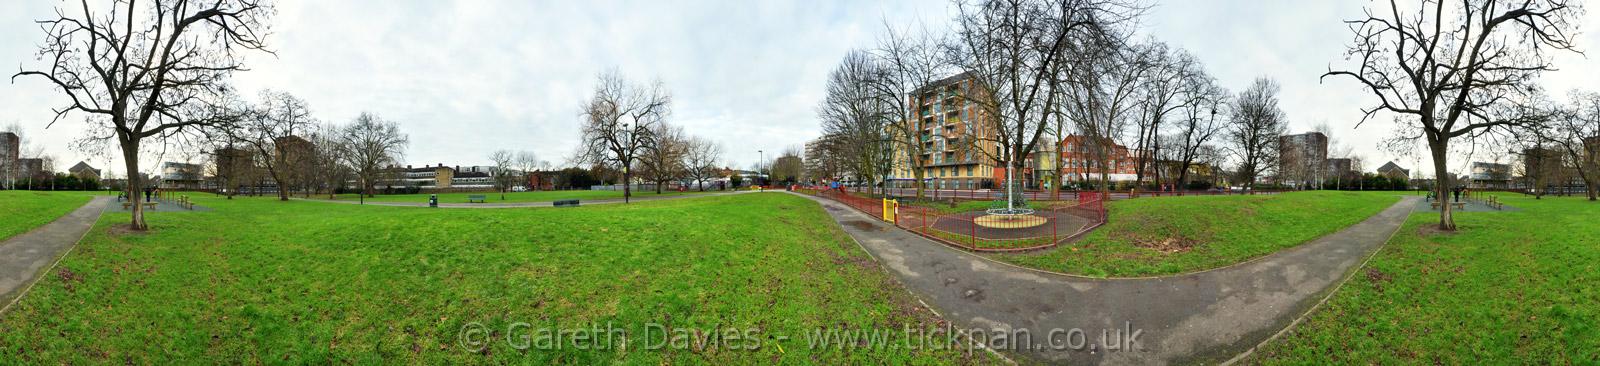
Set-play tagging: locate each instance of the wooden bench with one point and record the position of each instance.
(566, 203)
(147, 205)
(476, 198)
(1456, 205)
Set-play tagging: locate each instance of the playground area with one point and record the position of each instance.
(983, 226)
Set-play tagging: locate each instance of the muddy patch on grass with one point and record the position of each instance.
(1377, 278)
(1433, 230)
(1169, 245)
(862, 225)
(124, 230)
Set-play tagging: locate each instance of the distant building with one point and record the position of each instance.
(1489, 176)
(1342, 169)
(10, 151)
(442, 177)
(83, 171)
(1080, 161)
(175, 175)
(30, 168)
(10, 148)
(1392, 170)
(1303, 158)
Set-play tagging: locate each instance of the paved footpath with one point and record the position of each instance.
(534, 204)
(1204, 317)
(23, 256)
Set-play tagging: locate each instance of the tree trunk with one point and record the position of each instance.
(1441, 184)
(919, 174)
(627, 190)
(130, 157)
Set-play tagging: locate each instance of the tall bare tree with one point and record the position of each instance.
(663, 161)
(850, 112)
(148, 70)
(371, 146)
(1103, 83)
(504, 172)
(1456, 69)
(619, 124)
(1162, 93)
(323, 167)
(274, 129)
(1574, 131)
(700, 160)
(1015, 49)
(788, 167)
(1197, 127)
(528, 163)
(908, 61)
(1253, 130)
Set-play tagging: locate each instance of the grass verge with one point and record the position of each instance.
(1168, 235)
(22, 211)
(1512, 287)
(261, 281)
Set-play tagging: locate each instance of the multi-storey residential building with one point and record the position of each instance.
(10, 151)
(1303, 158)
(954, 133)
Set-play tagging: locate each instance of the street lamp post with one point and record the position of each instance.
(761, 161)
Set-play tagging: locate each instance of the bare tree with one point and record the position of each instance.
(505, 171)
(148, 70)
(1254, 128)
(908, 62)
(528, 163)
(323, 166)
(619, 124)
(663, 161)
(852, 113)
(788, 167)
(1016, 49)
(371, 146)
(1162, 93)
(1574, 131)
(1198, 126)
(700, 160)
(1103, 82)
(273, 129)
(1456, 69)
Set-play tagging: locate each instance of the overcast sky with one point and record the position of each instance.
(466, 78)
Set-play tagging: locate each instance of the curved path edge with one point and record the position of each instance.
(25, 258)
(1205, 317)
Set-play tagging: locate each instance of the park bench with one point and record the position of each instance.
(1456, 205)
(147, 205)
(476, 198)
(566, 203)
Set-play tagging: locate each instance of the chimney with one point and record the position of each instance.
(408, 166)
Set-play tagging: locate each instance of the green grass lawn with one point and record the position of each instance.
(1169, 235)
(1513, 287)
(21, 211)
(260, 281)
(532, 196)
